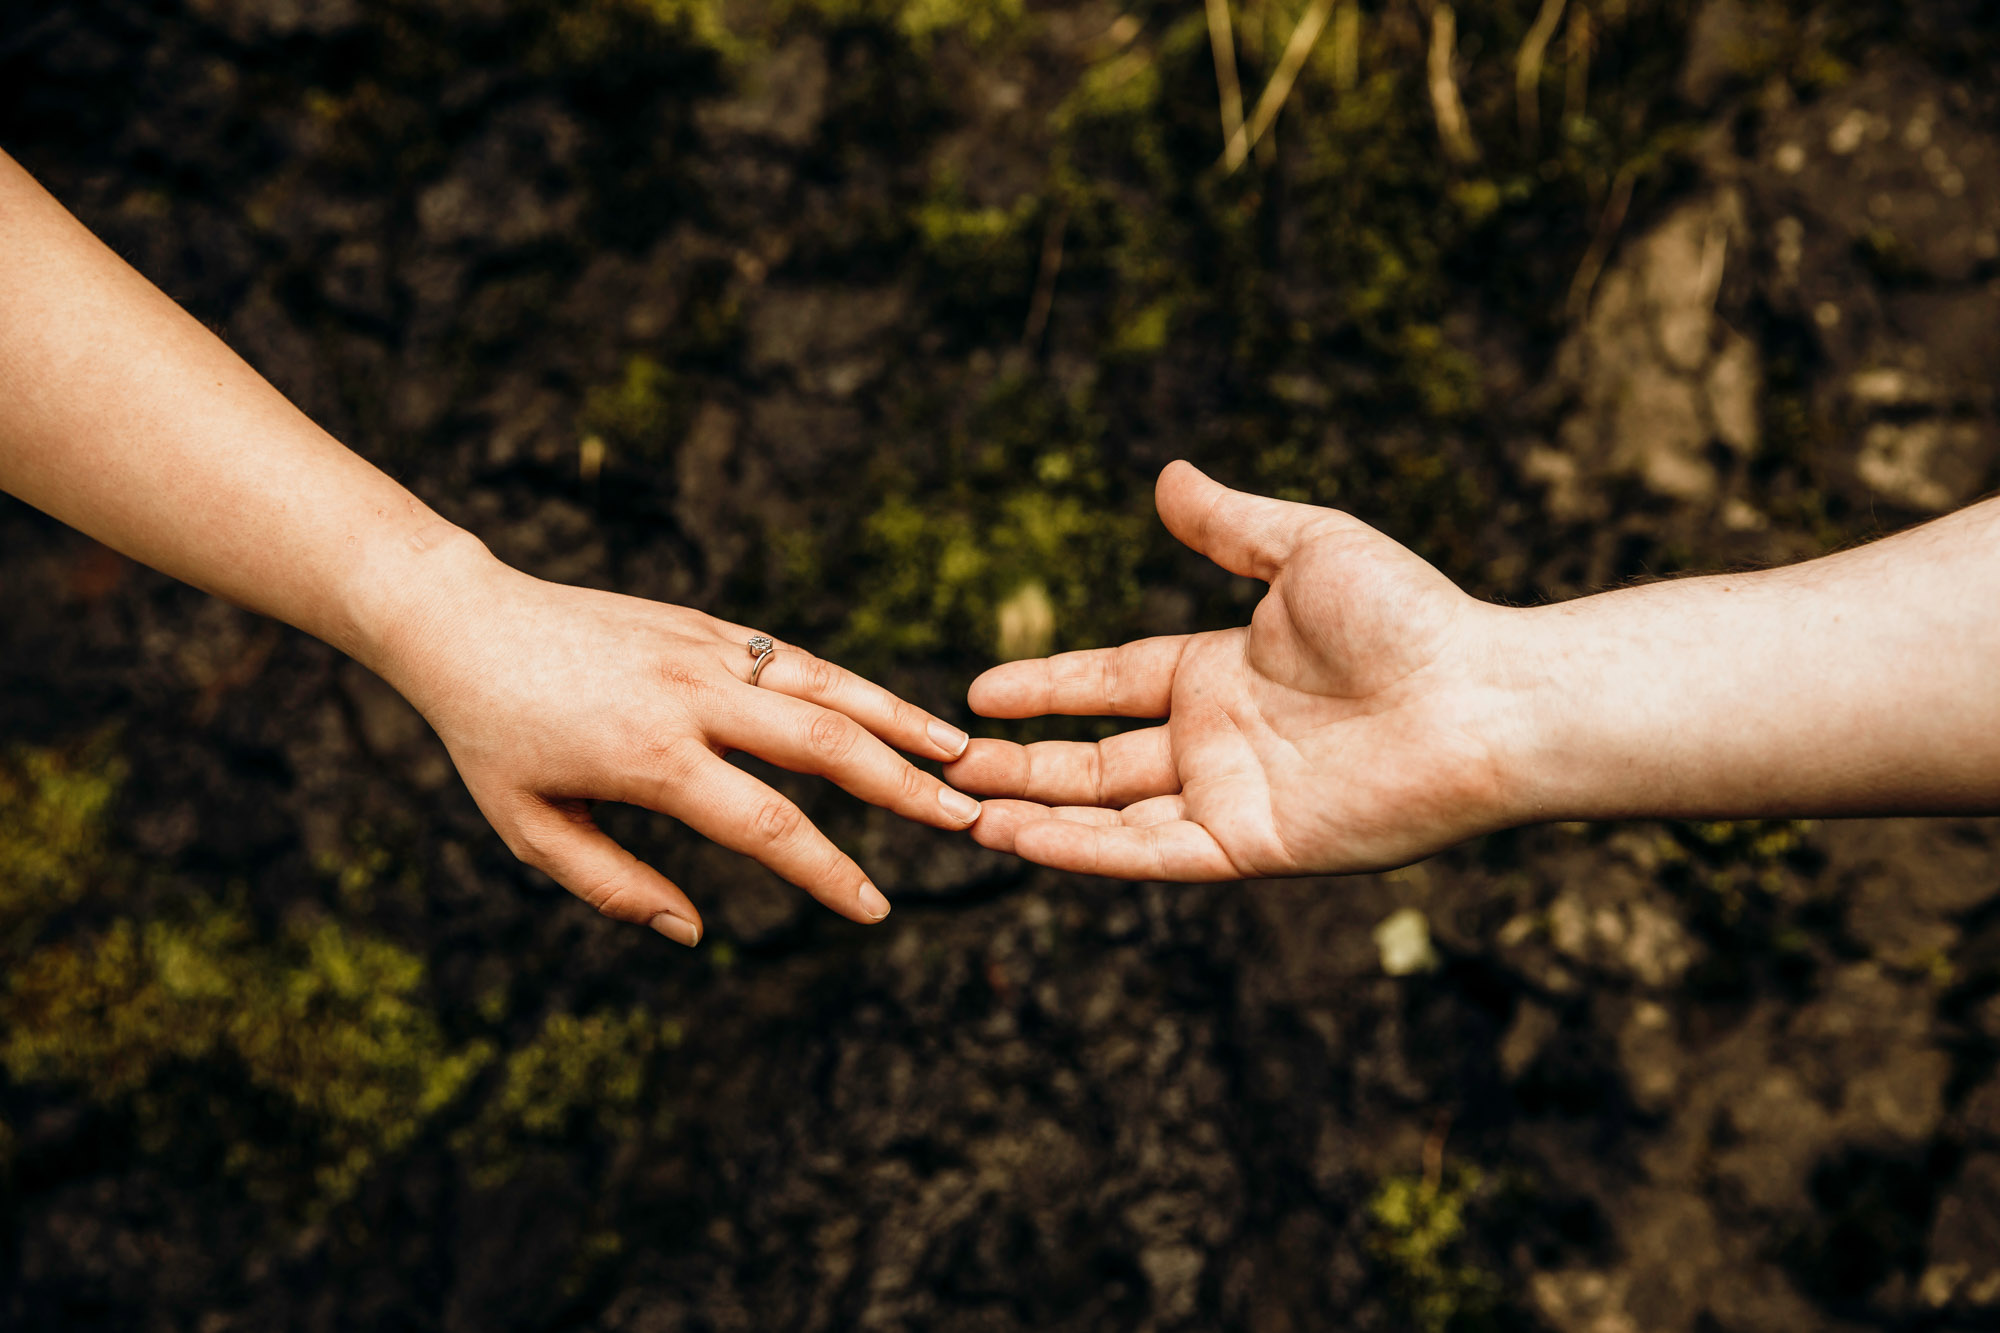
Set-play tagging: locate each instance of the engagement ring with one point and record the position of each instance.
(760, 648)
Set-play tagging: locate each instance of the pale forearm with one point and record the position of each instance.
(1863, 682)
(124, 417)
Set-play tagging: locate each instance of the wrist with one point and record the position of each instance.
(1632, 702)
(404, 603)
(1513, 701)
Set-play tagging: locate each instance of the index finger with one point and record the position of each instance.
(1134, 679)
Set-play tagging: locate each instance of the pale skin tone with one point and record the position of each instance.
(1369, 715)
(1372, 713)
(124, 417)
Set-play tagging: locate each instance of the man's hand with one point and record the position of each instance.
(1356, 724)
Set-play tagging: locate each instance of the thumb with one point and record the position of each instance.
(560, 839)
(1245, 534)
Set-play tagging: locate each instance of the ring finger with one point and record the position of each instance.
(799, 674)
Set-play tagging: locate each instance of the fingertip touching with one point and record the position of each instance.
(987, 768)
(1005, 691)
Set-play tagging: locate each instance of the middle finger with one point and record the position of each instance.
(806, 738)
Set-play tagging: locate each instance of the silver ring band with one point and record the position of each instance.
(762, 649)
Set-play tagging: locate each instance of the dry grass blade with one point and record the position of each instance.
(1346, 46)
(1280, 86)
(1454, 130)
(1608, 223)
(1045, 281)
(1528, 69)
(1222, 41)
(1576, 87)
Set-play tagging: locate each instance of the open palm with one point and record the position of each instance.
(1349, 727)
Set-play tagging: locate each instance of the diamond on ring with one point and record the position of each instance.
(761, 648)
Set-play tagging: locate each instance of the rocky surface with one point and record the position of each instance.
(1659, 1078)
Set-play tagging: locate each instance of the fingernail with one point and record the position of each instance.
(873, 904)
(958, 805)
(949, 738)
(677, 928)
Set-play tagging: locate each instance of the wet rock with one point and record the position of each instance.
(1892, 156)
(506, 188)
(1651, 1057)
(1964, 1269)
(555, 539)
(1882, 199)
(508, 1240)
(256, 20)
(1929, 465)
(1980, 1115)
(1869, 1035)
(1583, 1301)
(355, 280)
(1616, 927)
(393, 731)
(1775, 1132)
(783, 98)
(1403, 943)
(1527, 1035)
(1907, 889)
(707, 468)
(1657, 377)
(831, 341)
(1675, 1258)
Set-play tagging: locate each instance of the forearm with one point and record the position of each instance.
(1866, 682)
(122, 416)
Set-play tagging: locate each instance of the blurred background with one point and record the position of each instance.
(870, 322)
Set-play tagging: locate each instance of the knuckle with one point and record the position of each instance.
(821, 676)
(530, 846)
(777, 822)
(912, 784)
(830, 738)
(675, 761)
(613, 898)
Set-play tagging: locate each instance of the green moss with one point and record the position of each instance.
(642, 415)
(1026, 502)
(576, 1075)
(593, 32)
(323, 1021)
(1417, 1230)
(52, 808)
(326, 1022)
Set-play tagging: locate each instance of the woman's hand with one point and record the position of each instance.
(1353, 725)
(550, 697)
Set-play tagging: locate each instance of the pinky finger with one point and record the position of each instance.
(560, 839)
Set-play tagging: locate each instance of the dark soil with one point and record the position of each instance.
(1664, 1077)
